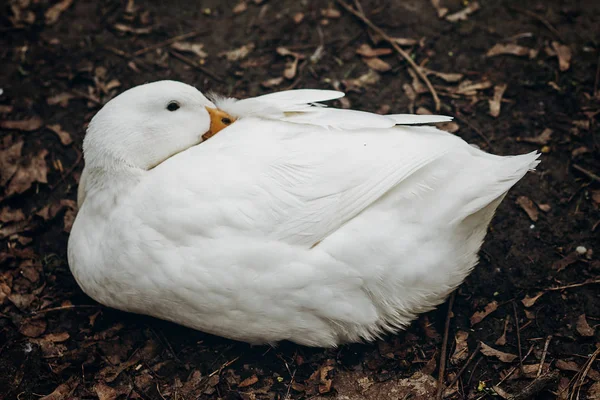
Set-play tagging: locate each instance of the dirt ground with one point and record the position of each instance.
(517, 75)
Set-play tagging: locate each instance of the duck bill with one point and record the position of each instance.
(219, 120)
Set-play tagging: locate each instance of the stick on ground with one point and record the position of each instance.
(441, 387)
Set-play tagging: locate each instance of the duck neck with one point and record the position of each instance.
(102, 187)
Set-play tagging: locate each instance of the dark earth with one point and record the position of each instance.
(62, 60)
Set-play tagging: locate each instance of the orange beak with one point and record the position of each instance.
(218, 120)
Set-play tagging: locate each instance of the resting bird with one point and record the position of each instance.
(276, 218)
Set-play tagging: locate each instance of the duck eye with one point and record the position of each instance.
(173, 106)
(226, 121)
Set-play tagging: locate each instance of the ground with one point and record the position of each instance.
(532, 300)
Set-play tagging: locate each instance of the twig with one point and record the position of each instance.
(536, 386)
(167, 42)
(583, 373)
(69, 307)
(518, 337)
(597, 80)
(398, 49)
(541, 367)
(589, 174)
(441, 387)
(460, 117)
(542, 20)
(464, 367)
(227, 364)
(587, 282)
(194, 64)
(513, 369)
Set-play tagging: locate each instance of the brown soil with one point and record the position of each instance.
(54, 339)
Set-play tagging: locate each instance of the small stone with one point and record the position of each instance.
(581, 250)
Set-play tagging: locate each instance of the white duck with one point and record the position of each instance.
(296, 222)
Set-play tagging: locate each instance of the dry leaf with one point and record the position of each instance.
(240, 7)
(62, 99)
(542, 138)
(528, 206)
(512, 49)
(367, 51)
(248, 381)
(565, 261)
(291, 68)
(6, 108)
(53, 13)
(463, 14)
(377, 64)
(441, 11)
(530, 301)
(491, 352)
(195, 48)
(564, 55)
(544, 207)
(57, 337)
(480, 315)
(26, 125)
(594, 391)
(469, 88)
(283, 51)
(325, 380)
(331, 13)
(63, 391)
(9, 159)
(64, 136)
(497, 100)
(501, 341)
(461, 352)
(25, 176)
(405, 41)
(370, 78)
(129, 29)
(238, 54)
(10, 215)
(579, 151)
(298, 18)
(33, 327)
(583, 328)
(448, 77)
(272, 82)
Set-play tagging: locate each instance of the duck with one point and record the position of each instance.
(277, 218)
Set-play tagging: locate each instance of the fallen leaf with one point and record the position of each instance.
(64, 136)
(501, 341)
(53, 13)
(25, 176)
(461, 352)
(9, 215)
(405, 41)
(528, 206)
(574, 367)
(351, 385)
(298, 18)
(480, 315)
(63, 391)
(370, 78)
(129, 29)
(238, 54)
(33, 327)
(564, 55)
(491, 352)
(6, 108)
(411, 95)
(496, 101)
(594, 391)
(583, 328)
(291, 68)
(511, 49)
(57, 337)
(542, 138)
(530, 301)
(545, 207)
(529, 371)
(61, 99)
(240, 7)
(377, 64)
(579, 151)
(469, 88)
(448, 77)
(27, 125)
(441, 11)
(463, 14)
(367, 51)
(248, 381)
(21, 301)
(563, 389)
(325, 380)
(272, 82)
(595, 195)
(565, 261)
(195, 48)
(331, 13)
